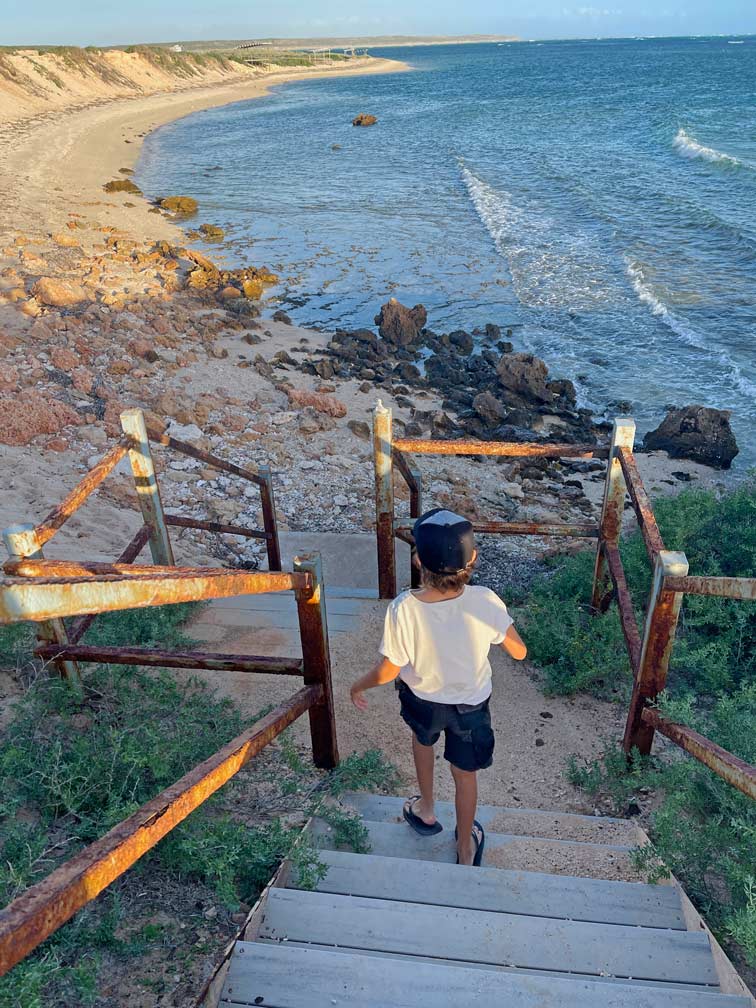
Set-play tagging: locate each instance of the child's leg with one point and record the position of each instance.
(466, 801)
(424, 767)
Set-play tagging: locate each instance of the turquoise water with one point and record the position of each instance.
(599, 197)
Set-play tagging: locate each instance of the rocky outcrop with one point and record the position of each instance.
(698, 433)
(28, 414)
(364, 119)
(122, 185)
(58, 293)
(399, 325)
(211, 232)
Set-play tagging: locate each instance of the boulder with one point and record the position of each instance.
(525, 375)
(489, 408)
(281, 316)
(364, 119)
(183, 205)
(58, 293)
(122, 185)
(211, 232)
(400, 325)
(698, 433)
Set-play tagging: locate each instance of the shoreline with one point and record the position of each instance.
(84, 148)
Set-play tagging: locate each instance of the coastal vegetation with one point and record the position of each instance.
(74, 767)
(702, 830)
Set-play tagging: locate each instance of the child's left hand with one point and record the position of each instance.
(358, 699)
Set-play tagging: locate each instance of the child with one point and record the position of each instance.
(436, 640)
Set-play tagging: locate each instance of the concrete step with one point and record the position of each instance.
(500, 891)
(491, 939)
(510, 851)
(282, 976)
(514, 821)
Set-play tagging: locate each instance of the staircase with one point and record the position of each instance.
(406, 926)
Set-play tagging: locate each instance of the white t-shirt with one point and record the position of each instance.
(442, 647)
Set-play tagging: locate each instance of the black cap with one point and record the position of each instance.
(444, 541)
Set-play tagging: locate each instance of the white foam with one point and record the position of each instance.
(687, 333)
(550, 266)
(689, 147)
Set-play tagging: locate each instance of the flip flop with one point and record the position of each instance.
(479, 844)
(416, 822)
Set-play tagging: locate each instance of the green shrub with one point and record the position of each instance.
(704, 830)
(715, 646)
(369, 771)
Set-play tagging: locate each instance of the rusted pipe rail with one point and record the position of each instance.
(735, 771)
(641, 504)
(35, 538)
(40, 598)
(43, 908)
(501, 448)
(721, 587)
(173, 659)
(624, 605)
(184, 448)
(78, 627)
(179, 521)
(515, 528)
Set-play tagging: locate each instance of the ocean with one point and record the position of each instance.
(596, 197)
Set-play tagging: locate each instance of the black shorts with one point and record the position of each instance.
(469, 739)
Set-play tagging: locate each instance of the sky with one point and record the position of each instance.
(83, 22)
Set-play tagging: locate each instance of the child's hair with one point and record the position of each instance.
(446, 583)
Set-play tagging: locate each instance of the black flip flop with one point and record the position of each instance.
(416, 822)
(479, 844)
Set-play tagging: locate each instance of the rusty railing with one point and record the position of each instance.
(24, 542)
(48, 591)
(650, 650)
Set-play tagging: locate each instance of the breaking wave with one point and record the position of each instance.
(645, 293)
(689, 147)
(551, 267)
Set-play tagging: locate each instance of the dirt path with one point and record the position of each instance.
(534, 734)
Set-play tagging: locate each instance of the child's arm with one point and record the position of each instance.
(514, 645)
(382, 672)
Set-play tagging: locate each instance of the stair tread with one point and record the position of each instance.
(290, 977)
(501, 891)
(500, 819)
(358, 922)
(502, 850)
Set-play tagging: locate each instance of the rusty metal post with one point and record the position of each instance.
(19, 539)
(623, 436)
(384, 500)
(656, 650)
(313, 627)
(270, 522)
(416, 509)
(140, 456)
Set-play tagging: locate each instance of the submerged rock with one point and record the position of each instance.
(183, 205)
(400, 325)
(212, 232)
(698, 433)
(364, 119)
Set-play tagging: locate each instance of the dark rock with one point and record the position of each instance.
(489, 408)
(462, 340)
(633, 808)
(403, 401)
(325, 369)
(400, 325)
(282, 316)
(493, 332)
(364, 336)
(564, 389)
(684, 477)
(540, 742)
(364, 119)
(408, 372)
(698, 433)
(360, 429)
(525, 375)
(546, 714)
